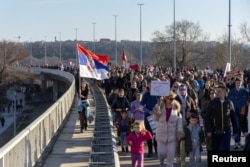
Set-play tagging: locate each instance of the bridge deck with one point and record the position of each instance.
(73, 148)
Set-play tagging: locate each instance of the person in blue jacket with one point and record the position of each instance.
(239, 96)
(148, 102)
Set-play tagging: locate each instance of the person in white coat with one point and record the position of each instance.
(169, 128)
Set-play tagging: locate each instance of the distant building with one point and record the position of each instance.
(105, 40)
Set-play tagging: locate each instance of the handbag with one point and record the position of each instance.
(90, 118)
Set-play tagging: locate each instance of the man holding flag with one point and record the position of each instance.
(92, 65)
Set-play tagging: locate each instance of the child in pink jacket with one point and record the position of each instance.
(136, 141)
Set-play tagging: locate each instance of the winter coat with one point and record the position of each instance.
(131, 94)
(188, 140)
(137, 114)
(121, 83)
(239, 98)
(148, 102)
(216, 119)
(120, 102)
(191, 107)
(128, 125)
(138, 141)
(167, 131)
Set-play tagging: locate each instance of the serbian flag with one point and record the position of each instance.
(92, 65)
(124, 58)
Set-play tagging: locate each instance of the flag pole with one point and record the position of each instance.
(79, 77)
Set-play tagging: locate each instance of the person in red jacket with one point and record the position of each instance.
(136, 141)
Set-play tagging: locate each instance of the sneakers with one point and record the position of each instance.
(237, 146)
(240, 145)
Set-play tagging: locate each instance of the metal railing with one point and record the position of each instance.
(103, 146)
(29, 147)
(25, 149)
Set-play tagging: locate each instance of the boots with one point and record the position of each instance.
(127, 149)
(123, 150)
(85, 125)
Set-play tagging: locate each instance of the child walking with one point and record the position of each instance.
(194, 138)
(123, 125)
(136, 141)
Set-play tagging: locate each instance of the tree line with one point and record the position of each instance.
(193, 47)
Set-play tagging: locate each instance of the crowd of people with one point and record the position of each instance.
(202, 108)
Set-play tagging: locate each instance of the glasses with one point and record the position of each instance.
(212, 93)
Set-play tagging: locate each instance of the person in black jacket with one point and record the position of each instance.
(119, 104)
(245, 124)
(219, 118)
(121, 82)
(83, 106)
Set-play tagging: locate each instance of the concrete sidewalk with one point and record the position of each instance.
(72, 148)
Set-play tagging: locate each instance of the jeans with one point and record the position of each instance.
(221, 142)
(123, 136)
(237, 138)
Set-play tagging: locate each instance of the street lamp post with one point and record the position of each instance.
(174, 40)
(76, 47)
(94, 35)
(115, 41)
(45, 52)
(31, 53)
(140, 4)
(15, 99)
(60, 45)
(229, 36)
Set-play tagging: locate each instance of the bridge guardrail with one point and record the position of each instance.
(103, 147)
(25, 149)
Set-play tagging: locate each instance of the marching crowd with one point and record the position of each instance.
(203, 108)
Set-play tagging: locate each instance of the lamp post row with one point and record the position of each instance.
(60, 45)
(140, 4)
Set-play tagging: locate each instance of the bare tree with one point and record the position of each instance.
(191, 45)
(238, 57)
(10, 54)
(245, 31)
